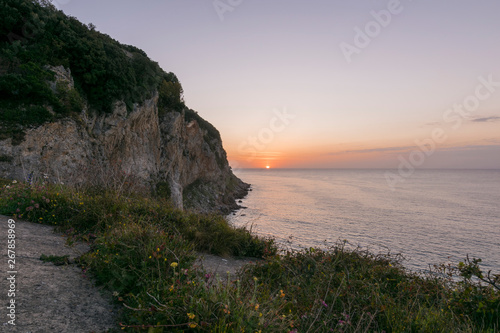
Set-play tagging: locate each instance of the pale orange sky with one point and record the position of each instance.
(473, 144)
(352, 109)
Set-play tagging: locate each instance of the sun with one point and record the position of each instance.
(267, 167)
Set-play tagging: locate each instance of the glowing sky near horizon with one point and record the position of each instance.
(272, 76)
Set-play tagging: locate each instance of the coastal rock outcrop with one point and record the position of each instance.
(175, 152)
(79, 107)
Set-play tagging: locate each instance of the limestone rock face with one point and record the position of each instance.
(195, 166)
(131, 141)
(151, 150)
(59, 149)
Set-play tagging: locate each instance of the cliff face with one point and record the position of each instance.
(165, 152)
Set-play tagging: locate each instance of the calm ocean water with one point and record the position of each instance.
(434, 216)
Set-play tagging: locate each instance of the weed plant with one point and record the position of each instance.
(144, 252)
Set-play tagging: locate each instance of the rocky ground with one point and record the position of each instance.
(221, 267)
(50, 298)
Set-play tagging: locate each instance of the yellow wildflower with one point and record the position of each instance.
(174, 264)
(191, 315)
(192, 325)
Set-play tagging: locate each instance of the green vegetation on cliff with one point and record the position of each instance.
(35, 37)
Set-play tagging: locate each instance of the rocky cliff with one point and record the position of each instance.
(79, 107)
(174, 153)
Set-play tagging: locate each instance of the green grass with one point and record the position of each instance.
(143, 251)
(90, 212)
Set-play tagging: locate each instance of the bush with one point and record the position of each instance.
(129, 257)
(37, 35)
(95, 210)
(143, 252)
(70, 99)
(170, 97)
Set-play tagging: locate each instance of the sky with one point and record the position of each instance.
(327, 84)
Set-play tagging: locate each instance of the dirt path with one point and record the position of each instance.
(48, 298)
(51, 298)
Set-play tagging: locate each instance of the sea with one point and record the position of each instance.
(430, 217)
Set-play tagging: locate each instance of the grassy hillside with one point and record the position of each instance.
(143, 252)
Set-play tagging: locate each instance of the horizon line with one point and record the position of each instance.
(375, 168)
